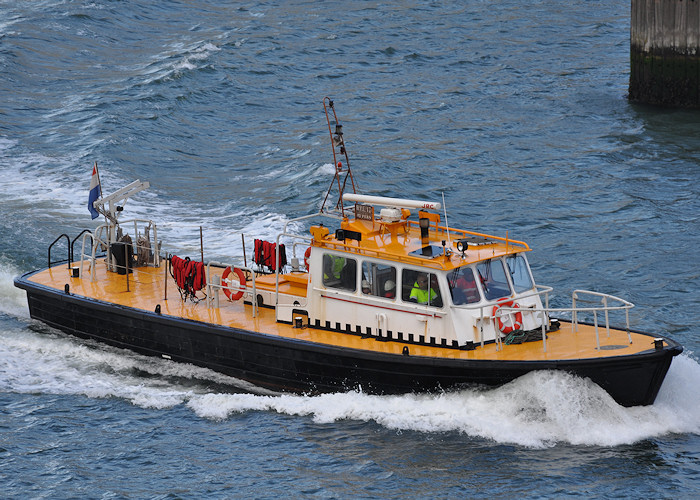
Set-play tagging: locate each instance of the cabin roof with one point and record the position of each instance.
(401, 241)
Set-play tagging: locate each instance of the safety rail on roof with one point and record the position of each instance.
(464, 233)
(407, 259)
(433, 217)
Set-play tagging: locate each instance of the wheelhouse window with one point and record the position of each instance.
(519, 273)
(463, 287)
(420, 287)
(339, 272)
(493, 279)
(378, 280)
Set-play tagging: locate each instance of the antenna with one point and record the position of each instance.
(447, 225)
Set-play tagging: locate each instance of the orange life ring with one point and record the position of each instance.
(225, 286)
(517, 317)
(307, 254)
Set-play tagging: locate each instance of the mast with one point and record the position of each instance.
(337, 141)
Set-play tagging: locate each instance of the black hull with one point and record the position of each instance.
(298, 366)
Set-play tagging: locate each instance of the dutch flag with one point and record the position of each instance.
(95, 191)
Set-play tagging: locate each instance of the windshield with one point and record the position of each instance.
(519, 273)
(463, 286)
(493, 279)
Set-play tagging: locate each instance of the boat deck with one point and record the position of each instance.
(147, 289)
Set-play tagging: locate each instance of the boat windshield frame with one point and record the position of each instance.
(493, 280)
(523, 270)
(466, 291)
(462, 286)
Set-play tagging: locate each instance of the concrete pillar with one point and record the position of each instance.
(665, 52)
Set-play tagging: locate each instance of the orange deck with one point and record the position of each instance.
(147, 289)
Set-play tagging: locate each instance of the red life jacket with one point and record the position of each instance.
(189, 275)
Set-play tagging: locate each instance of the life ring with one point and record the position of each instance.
(307, 254)
(225, 286)
(517, 318)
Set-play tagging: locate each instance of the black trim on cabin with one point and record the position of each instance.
(409, 338)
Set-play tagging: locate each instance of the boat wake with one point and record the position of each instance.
(540, 409)
(13, 301)
(537, 410)
(59, 194)
(37, 359)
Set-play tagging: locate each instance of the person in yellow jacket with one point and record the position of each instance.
(421, 293)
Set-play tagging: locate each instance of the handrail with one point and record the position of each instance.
(539, 290)
(85, 234)
(407, 259)
(149, 223)
(380, 254)
(72, 243)
(277, 258)
(464, 232)
(70, 254)
(604, 299)
(97, 240)
(575, 310)
(212, 285)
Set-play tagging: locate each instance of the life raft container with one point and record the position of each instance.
(516, 318)
(237, 291)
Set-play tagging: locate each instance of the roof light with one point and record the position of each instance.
(462, 246)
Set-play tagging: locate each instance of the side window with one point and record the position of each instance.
(519, 273)
(493, 279)
(463, 286)
(378, 280)
(420, 287)
(339, 272)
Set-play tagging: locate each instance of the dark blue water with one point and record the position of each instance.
(515, 110)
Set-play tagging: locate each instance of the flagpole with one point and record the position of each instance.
(99, 182)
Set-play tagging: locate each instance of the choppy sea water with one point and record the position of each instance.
(515, 110)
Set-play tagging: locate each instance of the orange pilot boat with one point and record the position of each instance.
(374, 298)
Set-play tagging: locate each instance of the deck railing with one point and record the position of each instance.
(605, 304)
(215, 285)
(90, 256)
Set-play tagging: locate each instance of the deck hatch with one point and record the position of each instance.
(428, 252)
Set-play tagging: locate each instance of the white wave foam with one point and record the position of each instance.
(327, 169)
(32, 362)
(53, 188)
(60, 193)
(678, 403)
(13, 301)
(537, 410)
(221, 235)
(6, 143)
(178, 58)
